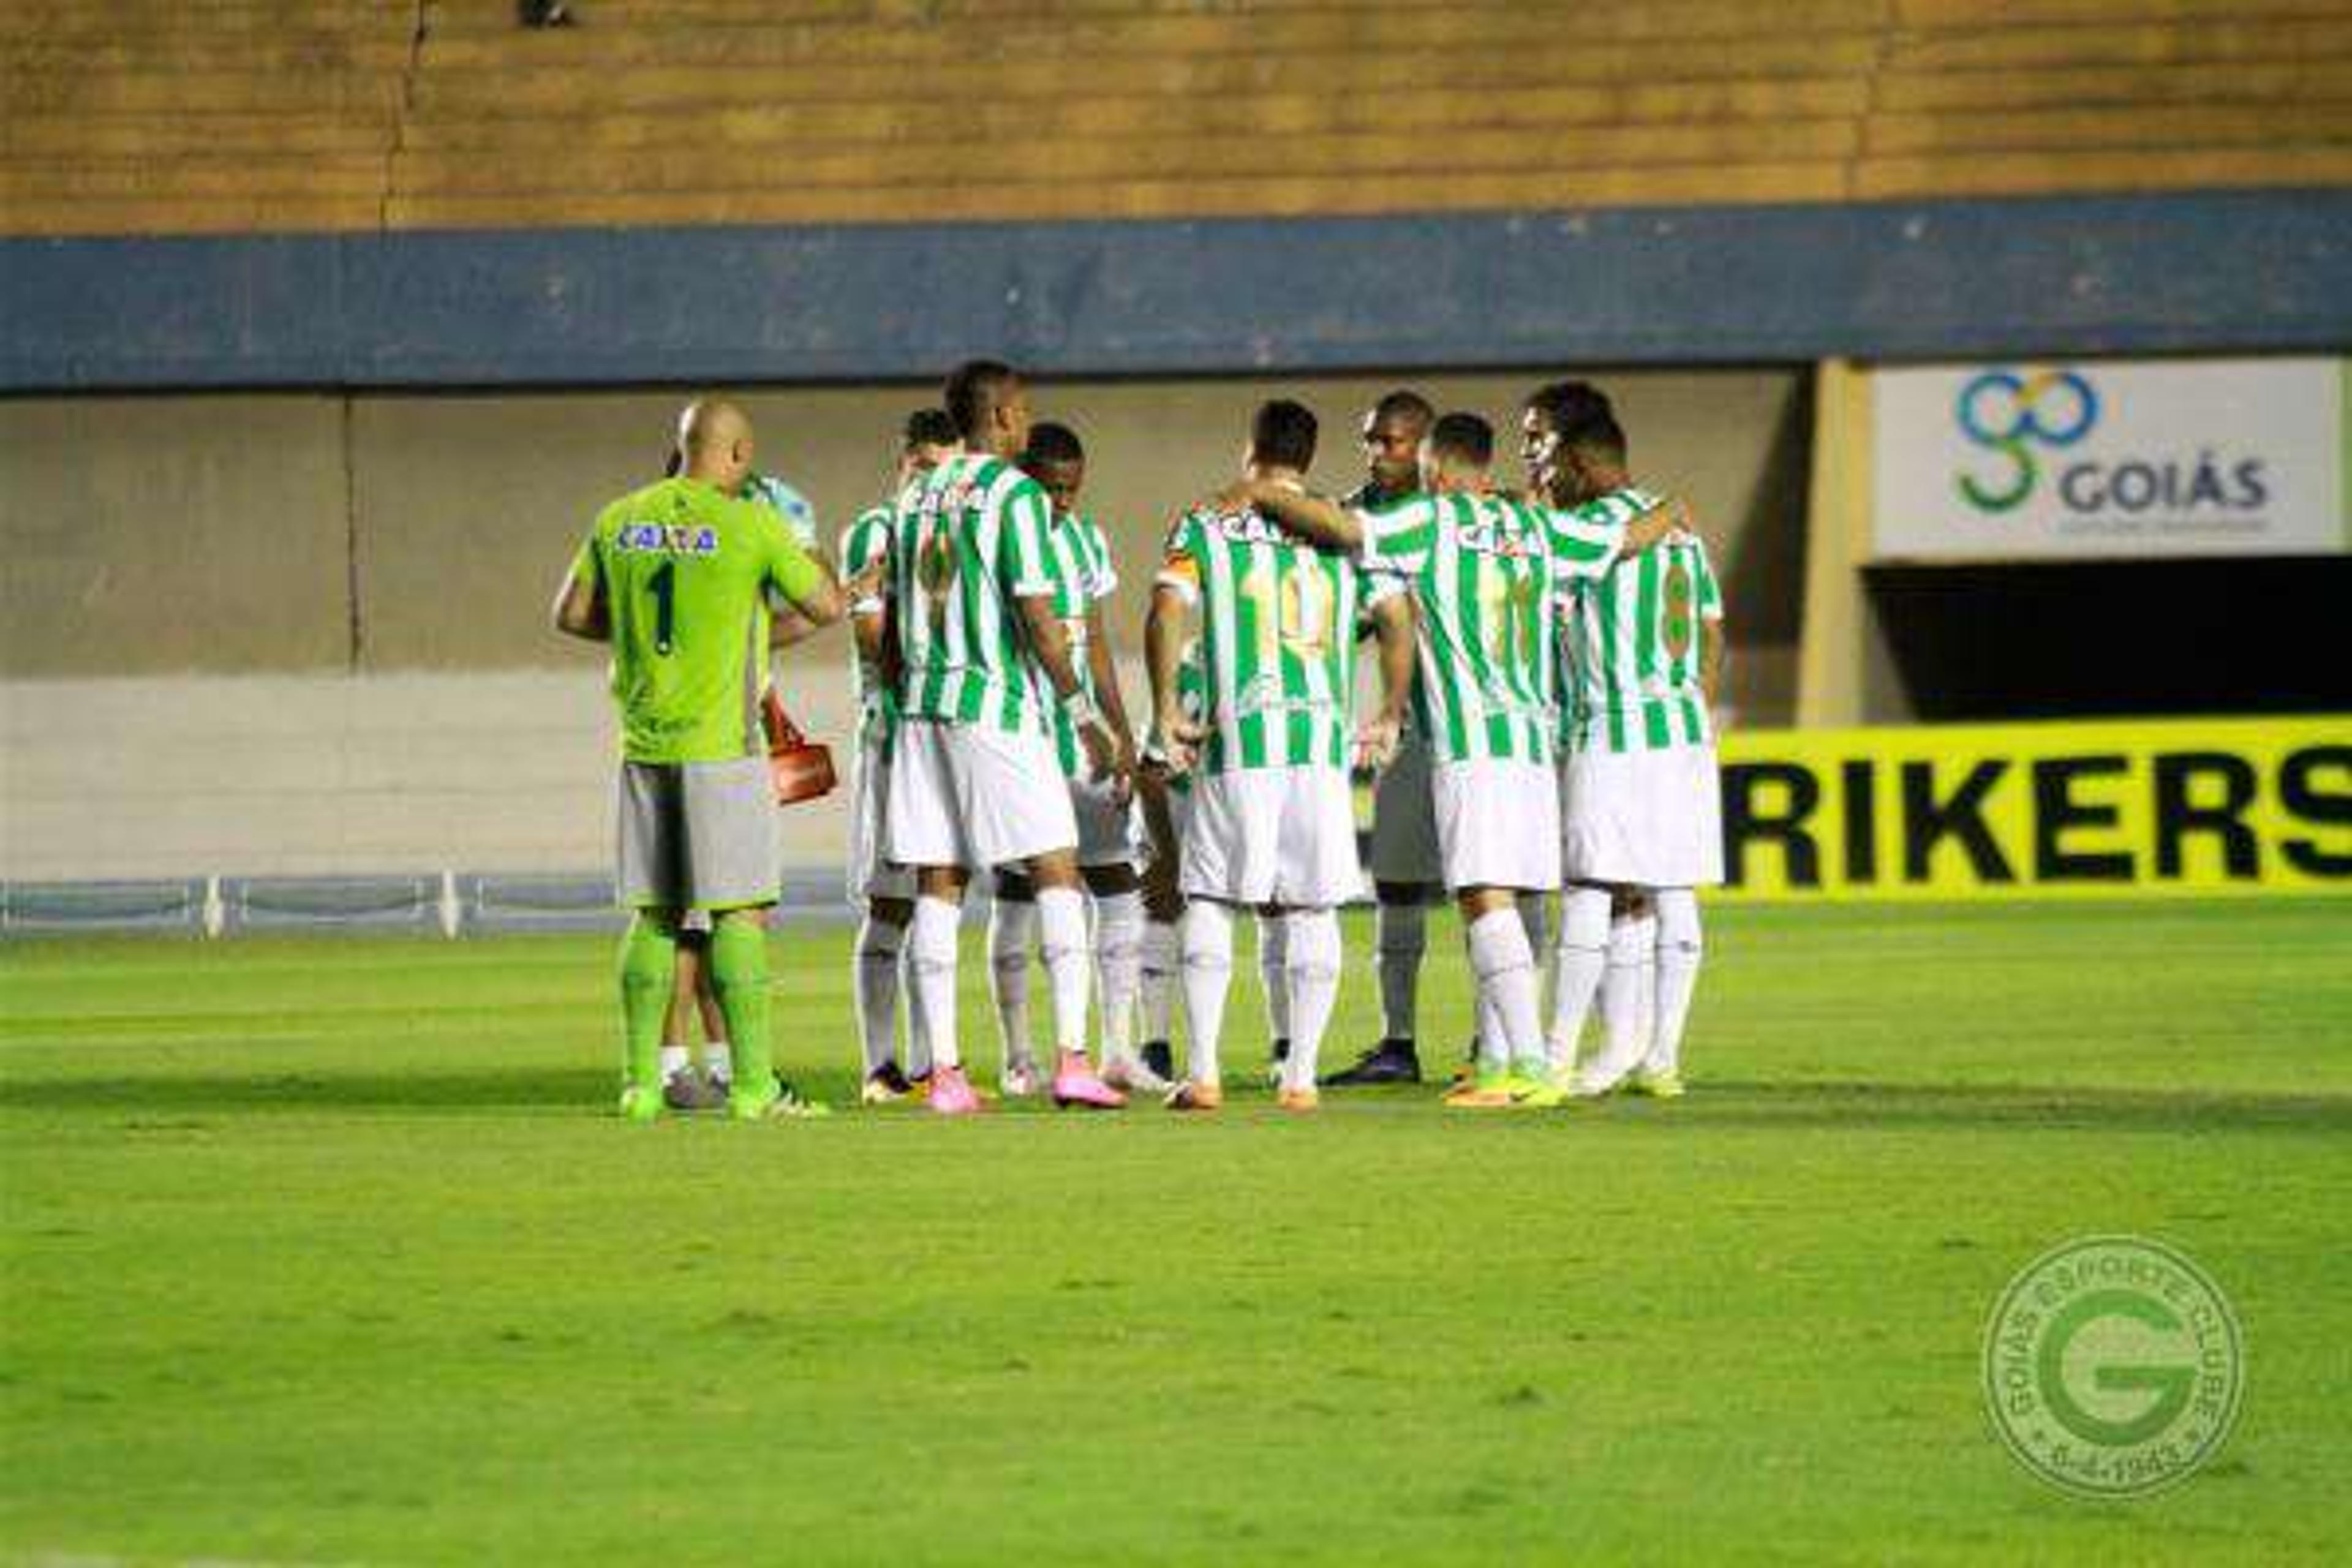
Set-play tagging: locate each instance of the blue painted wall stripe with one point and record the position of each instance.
(2224, 270)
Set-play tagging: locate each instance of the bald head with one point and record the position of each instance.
(714, 438)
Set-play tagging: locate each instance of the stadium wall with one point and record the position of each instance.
(285, 633)
(2194, 271)
(362, 574)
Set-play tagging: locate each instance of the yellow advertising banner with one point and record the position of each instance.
(2198, 806)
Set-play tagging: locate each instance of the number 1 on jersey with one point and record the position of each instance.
(663, 584)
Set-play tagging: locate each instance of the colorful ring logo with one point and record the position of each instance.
(2010, 414)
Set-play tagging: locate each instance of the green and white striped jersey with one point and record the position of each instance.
(1277, 640)
(1630, 643)
(863, 541)
(1083, 573)
(969, 538)
(1486, 572)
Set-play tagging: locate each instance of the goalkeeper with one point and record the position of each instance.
(675, 577)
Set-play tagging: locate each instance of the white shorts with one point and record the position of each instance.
(870, 875)
(961, 794)
(1180, 822)
(1404, 821)
(1105, 829)
(1650, 819)
(1497, 823)
(1273, 836)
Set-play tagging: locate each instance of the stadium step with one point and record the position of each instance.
(2177, 126)
(157, 137)
(2148, 168)
(816, 162)
(203, 115)
(163, 91)
(245, 176)
(2274, 83)
(1416, 109)
(544, 90)
(1250, 32)
(1209, 197)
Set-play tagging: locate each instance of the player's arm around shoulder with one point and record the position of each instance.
(1318, 520)
(1669, 516)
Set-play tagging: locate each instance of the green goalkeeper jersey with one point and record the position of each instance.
(1485, 572)
(1277, 642)
(1083, 575)
(684, 570)
(1630, 643)
(969, 538)
(866, 541)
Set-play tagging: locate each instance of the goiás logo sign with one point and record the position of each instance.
(2087, 459)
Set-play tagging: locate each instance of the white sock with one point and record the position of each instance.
(674, 1060)
(1311, 976)
(1062, 946)
(1625, 990)
(1645, 980)
(719, 1062)
(1010, 927)
(1582, 954)
(1118, 961)
(1679, 951)
(1534, 914)
(1506, 967)
(1208, 970)
(1273, 966)
(1163, 953)
(1401, 937)
(874, 969)
(932, 982)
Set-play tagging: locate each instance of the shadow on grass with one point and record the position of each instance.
(1924, 1107)
(583, 1088)
(1713, 1103)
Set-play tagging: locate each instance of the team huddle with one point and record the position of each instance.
(1536, 717)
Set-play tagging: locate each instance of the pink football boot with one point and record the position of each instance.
(951, 1095)
(1075, 1083)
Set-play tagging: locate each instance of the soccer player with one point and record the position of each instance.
(1484, 572)
(1641, 802)
(1163, 798)
(1272, 824)
(1086, 579)
(684, 1088)
(885, 892)
(981, 659)
(1404, 860)
(674, 576)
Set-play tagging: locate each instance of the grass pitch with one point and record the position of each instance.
(329, 1251)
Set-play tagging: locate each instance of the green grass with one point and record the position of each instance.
(327, 1251)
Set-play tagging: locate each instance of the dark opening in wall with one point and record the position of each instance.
(2087, 638)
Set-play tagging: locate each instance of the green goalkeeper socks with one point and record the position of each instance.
(739, 976)
(648, 970)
